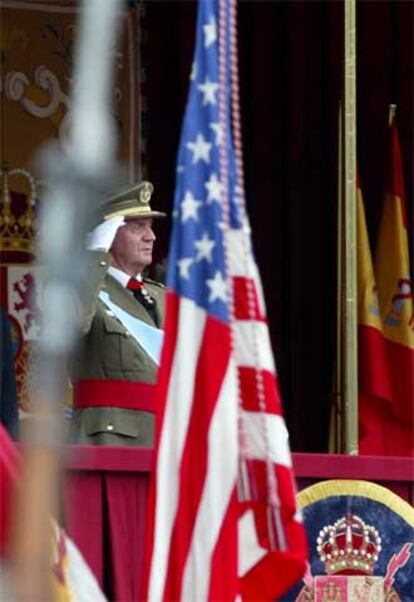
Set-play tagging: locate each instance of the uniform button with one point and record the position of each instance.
(109, 427)
(102, 263)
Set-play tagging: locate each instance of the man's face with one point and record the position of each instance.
(133, 245)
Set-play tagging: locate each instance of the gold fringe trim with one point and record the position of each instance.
(372, 491)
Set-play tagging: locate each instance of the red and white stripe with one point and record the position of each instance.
(263, 431)
(197, 456)
(266, 445)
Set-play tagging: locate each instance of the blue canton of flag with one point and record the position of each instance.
(197, 256)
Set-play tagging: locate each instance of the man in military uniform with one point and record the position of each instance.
(116, 365)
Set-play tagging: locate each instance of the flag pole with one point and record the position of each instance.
(350, 389)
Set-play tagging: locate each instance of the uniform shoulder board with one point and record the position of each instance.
(154, 282)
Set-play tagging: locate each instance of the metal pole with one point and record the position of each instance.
(350, 276)
(76, 178)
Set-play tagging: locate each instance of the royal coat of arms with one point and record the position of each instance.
(361, 544)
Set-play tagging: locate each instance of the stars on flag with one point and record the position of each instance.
(210, 32)
(190, 207)
(200, 149)
(218, 288)
(214, 189)
(184, 265)
(209, 90)
(204, 246)
(198, 251)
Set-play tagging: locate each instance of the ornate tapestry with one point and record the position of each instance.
(36, 54)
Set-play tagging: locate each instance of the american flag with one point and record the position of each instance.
(223, 523)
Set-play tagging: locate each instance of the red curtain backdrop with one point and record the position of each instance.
(291, 81)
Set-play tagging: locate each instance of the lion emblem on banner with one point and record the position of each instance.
(361, 544)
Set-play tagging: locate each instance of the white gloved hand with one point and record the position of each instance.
(103, 235)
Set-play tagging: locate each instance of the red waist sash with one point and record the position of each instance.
(124, 394)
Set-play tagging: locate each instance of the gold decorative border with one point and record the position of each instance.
(372, 491)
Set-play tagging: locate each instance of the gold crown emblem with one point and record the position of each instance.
(349, 545)
(17, 211)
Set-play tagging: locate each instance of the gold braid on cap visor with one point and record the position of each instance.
(135, 212)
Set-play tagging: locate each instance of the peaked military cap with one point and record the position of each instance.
(131, 201)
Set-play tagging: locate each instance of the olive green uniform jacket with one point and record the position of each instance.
(109, 351)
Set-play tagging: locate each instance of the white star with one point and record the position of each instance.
(201, 149)
(209, 90)
(214, 189)
(193, 73)
(218, 288)
(184, 265)
(204, 248)
(210, 33)
(216, 127)
(189, 207)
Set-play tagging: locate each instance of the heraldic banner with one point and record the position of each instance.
(361, 544)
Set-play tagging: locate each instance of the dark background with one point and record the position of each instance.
(291, 69)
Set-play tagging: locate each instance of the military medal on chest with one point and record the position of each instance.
(145, 295)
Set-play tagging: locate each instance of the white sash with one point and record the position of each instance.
(149, 337)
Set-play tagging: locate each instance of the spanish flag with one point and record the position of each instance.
(395, 293)
(373, 377)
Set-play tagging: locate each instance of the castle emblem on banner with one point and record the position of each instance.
(363, 554)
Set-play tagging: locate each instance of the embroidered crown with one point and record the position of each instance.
(349, 546)
(17, 210)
